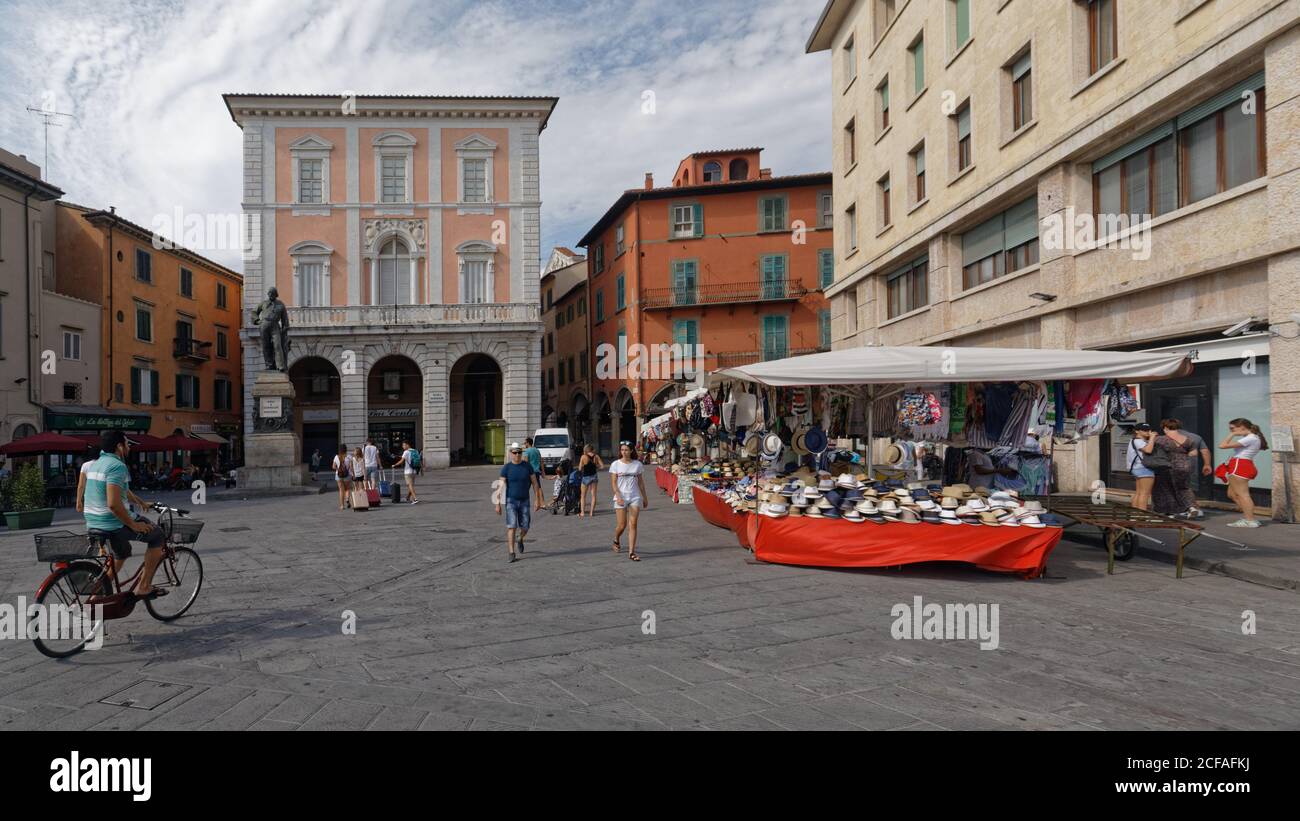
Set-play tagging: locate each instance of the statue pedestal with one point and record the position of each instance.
(273, 451)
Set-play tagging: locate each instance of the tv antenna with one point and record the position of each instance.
(48, 118)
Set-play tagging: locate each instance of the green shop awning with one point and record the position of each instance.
(78, 418)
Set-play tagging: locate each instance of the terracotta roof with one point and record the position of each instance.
(724, 151)
(140, 232)
(43, 189)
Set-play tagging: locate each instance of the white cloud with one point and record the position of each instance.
(144, 80)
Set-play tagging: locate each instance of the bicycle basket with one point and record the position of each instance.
(64, 546)
(184, 531)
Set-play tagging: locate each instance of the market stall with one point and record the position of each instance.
(802, 416)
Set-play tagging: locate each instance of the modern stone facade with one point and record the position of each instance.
(403, 233)
(1213, 258)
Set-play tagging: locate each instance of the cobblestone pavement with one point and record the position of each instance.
(450, 636)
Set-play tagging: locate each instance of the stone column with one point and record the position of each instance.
(353, 402)
(436, 373)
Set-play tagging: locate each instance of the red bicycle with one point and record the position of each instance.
(81, 576)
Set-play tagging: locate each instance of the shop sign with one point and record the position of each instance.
(80, 421)
(320, 414)
(202, 428)
(393, 413)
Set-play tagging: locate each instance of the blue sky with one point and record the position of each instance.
(144, 79)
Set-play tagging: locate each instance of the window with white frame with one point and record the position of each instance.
(688, 220)
(712, 171)
(394, 156)
(618, 240)
(311, 169)
(394, 268)
(476, 261)
(71, 344)
(826, 210)
(311, 273)
(474, 156)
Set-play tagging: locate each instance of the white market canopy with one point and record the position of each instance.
(681, 400)
(877, 365)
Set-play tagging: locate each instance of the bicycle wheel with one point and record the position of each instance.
(181, 575)
(67, 629)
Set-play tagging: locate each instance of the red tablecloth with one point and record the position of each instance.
(712, 509)
(740, 526)
(850, 544)
(667, 481)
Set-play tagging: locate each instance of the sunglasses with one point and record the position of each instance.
(625, 442)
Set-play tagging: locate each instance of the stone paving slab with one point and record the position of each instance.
(451, 637)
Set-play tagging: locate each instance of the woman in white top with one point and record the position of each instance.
(343, 474)
(625, 476)
(1240, 467)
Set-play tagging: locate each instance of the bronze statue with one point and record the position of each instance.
(272, 319)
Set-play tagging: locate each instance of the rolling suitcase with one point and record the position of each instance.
(372, 495)
(395, 491)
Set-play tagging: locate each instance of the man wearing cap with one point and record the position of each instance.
(520, 479)
(107, 491)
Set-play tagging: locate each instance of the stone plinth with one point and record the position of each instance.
(273, 451)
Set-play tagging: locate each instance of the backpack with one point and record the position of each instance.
(415, 458)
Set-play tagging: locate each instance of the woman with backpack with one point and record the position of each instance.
(1240, 468)
(343, 474)
(1143, 477)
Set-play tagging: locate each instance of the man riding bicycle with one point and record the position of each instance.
(108, 486)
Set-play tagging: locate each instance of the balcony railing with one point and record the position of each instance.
(734, 359)
(719, 293)
(192, 349)
(347, 316)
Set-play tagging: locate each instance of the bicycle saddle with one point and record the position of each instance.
(97, 534)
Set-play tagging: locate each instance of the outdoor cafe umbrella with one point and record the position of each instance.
(43, 443)
(187, 443)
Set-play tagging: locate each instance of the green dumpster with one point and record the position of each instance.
(494, 440)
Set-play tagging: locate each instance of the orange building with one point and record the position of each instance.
(170, 332)
(729, 258)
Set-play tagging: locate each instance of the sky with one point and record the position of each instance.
(149, 131)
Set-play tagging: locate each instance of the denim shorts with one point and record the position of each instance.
(589, 480)
(518, 514)
(1142, 472)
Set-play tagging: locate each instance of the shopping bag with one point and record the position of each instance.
(360, 500)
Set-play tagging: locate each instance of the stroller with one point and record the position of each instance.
(568, 483)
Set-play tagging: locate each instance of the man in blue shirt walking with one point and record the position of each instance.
(521, 479)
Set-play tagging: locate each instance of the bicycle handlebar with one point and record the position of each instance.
(165, 509)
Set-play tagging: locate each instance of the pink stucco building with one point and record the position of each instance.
(403, 233)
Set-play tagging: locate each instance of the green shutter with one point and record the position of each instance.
(1129, 149)
(826, 258)
(622, 293)
(982, 240)
(1021, 66)
(1021, 222)
(194, 380)
(824, 327)
(135, 386)
(697, 219)
(963, 123)
(153, 387)
(1222, 100)
(918, 66)
(920, 160)
(884, 96)
(963, 22)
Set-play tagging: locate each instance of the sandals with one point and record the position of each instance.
(633, 557)
(617, 547)
(157, 592)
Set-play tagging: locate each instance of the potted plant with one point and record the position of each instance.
(26, 507)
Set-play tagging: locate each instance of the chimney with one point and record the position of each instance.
(765, 173)
(649, 180)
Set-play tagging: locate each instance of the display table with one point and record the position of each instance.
(850, 544)
(712, 509)
(667, 481)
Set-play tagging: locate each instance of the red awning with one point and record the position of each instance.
(188, 443)
(43, 443)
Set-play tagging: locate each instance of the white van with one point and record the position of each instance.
(555, 445)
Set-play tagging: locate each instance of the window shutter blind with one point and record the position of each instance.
(1145, 141)
(982, 240)
(153, 387)
(884, 96)
(194, 380)
(697, 219)
(920, 161)
(963, 123)
(1222, 100)
(1020, 67)
(1022, 222)
(135, 385)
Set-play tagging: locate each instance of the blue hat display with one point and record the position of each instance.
(815, 439)
(834, 497)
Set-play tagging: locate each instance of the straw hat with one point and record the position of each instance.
(815, 512)
(949, 517)
(1031, 520)
(909, 516)
(1035, 506)
(988, 517)
(949, 503)
(852, 515)
(893, 454)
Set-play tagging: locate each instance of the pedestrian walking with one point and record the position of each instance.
(534, 457)
(358, 469)
(371, 455)
(408, 461)
(628, 482)
(588, 466)
(520, 479)
(315, 463)
(1240, 467)
(1171, 495)
(1199, 456)
(1143, 476)
(343, 474)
